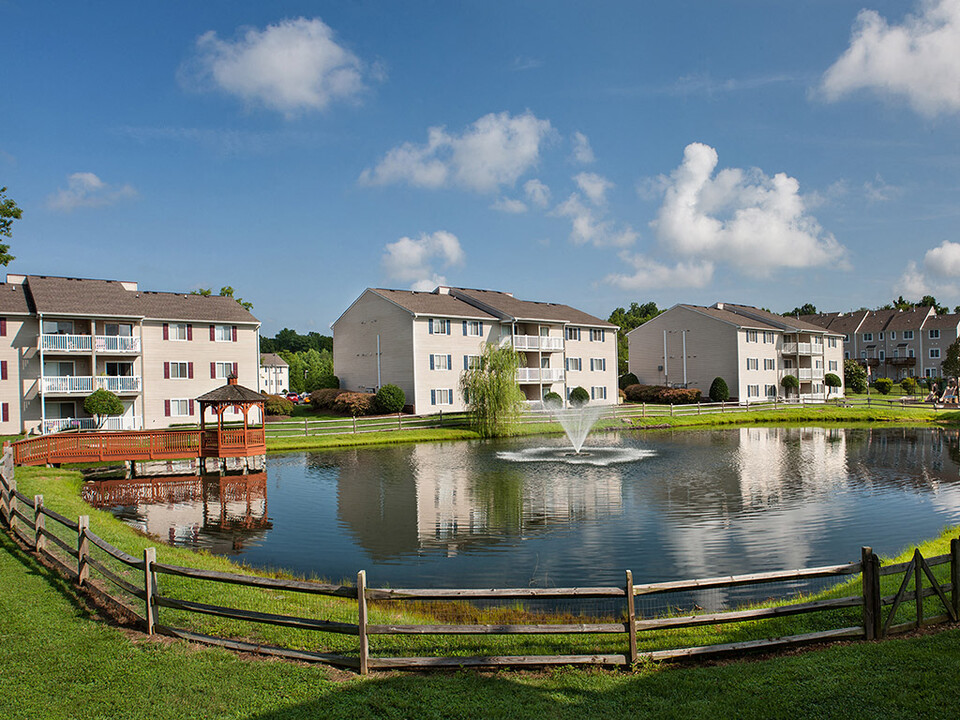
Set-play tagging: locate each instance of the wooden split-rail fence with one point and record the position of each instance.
(102, 569)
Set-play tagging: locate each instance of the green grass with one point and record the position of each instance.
(58, 662)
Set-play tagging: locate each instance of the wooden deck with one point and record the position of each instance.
(139, 445)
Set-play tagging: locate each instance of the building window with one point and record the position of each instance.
(221, 333)
(472, 328)
(574, 364)
(934, 334)
(178, 331)
(58, 327)
(180, 408)
(934, 353)
(753, 391)
(177, 370)
(598, 364)
(787, 364)
(471, 362)
(753, 363)
(771, 391)
(223, 370)
(769, 364)
(868, 337)
(118, 329)
(768, 338)
(817, 388)
(751, 335)
(846, 338)
(441, 397)
(831, 342)
(893, 335)
(846, 356)
(436, 326)
(880, 336)
(910, 352)
(596, 335)
(833, 365)
(598, 393)
(440, 362)
(908, 334)
(573, 333)
(929, 372)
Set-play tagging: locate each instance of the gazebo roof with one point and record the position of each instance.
(231, 394)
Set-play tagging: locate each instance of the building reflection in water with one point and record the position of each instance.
(219, 514)
(447, 500)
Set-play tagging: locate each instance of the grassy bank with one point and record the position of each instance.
(57, 661)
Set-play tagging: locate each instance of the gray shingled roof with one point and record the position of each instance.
(76, 296)
(511, 308)
(730, 317)
(942, 322)
(430, 303)
(778, 321)
(272, 360)
(13, 300)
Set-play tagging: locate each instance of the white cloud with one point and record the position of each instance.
(650, 274)
(744, 218)
(412, 261)
(917, 60)
(939, 275)
(493, 152)
(292, 66)
(509, 205)
(582, 152)
(912, 283)
(593, 186)
(84, 189)
(588, 227)
(879, 191)
(537, 193)
(943, 261)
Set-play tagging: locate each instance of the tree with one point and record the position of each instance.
(951, 363)
(627, 320)
(226, 291)
(931, 301)
(831, 381)
(854, 376)
(719, 392)
(579, 397)
(494, 400)
(103, 404)
(901, 304)
(8, 213)
(789, 383)
(805, 309)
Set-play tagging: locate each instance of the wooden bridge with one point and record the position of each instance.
(140, 445)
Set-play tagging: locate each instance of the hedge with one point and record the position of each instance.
(661, 395)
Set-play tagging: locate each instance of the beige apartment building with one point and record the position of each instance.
(62, 338)
(274, 374)
(894, 343)
(423, 341)
(751, 349)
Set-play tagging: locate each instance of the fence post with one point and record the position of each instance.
(305, 428)
(149, 587)
(39, 523)
(354, 424)
(870, 584)
(671, 409)
(12, 504)
(362, 619)
(722, 404)
(643, 409)
(399, 421)
(441, 418)
(631, 619)
(955, 573)
(83, 549)
(698, 407)
(918, 585)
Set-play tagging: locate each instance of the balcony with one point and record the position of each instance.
(537, 342)
(527, 375)
(902, 361)
(120, 344)
(803, 348)
(84, 385)
(110, 423)
(810, 373)
(869, 362)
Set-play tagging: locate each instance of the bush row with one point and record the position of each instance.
(389, 399)
(661, 395)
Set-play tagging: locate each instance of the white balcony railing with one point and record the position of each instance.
(76, 384)
(119, 384)
(810, 373)
(537, 342)
(66, 343)
(540, 375)
(113, 423)
(803, 348)
(117, 344)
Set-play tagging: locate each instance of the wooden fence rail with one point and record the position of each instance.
(26, 518)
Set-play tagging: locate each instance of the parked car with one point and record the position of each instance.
(293, 397)
(305, 397)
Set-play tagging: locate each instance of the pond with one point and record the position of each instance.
(667, 505)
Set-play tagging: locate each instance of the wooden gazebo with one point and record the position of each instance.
(231, 442)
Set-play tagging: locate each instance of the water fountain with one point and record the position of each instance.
(577, 421)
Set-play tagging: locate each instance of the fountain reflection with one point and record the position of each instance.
(220, 514)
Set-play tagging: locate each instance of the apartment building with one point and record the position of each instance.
(423, 341)
(751, 349)
(62, 338)
(274, 374)
(894, 343)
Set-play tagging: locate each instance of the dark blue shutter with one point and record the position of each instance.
(466, 362)
(449, 362)
(433, 397)
(431, 362)
(464, 327)
(430, 326)
(448, 327)
(481, 328)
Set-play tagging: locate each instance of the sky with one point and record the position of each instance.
(593, 154)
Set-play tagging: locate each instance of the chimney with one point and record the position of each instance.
(231, 379)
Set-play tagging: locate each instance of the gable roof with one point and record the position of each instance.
(13, 300)
(507, 307)
(112, 298)
(431, 303)
(731, 318)
(272, 360)
(778, 321)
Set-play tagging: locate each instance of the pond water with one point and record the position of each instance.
(667, 505)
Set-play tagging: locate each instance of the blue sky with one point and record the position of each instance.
(595, 154)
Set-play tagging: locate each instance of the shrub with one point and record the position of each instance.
(661, 395)
(883, 385)
(277, 405)
(719, 392)
(909, 386)
(579, 397)
(831, 381)
(322, 399)
(355, 403)
(628, 379)
(854, 376)
(390, 399)
(552, 399)
(790, 382)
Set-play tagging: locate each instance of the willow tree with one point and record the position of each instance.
(494, 400)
